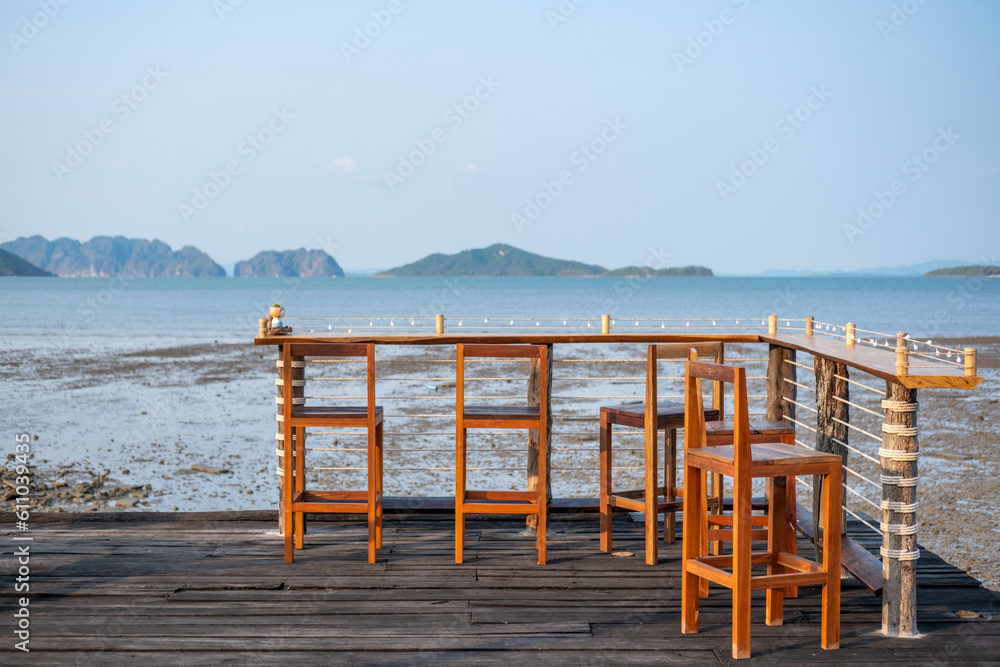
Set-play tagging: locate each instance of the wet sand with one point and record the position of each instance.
(121, 430)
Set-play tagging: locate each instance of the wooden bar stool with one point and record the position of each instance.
(500, 417)
(669, 416)
(761, 430)
(297, 500)
(744, 462)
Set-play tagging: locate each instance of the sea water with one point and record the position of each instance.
(53, 311)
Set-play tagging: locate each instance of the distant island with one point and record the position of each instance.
(972, 271)
(301, 262)
(676, 272)
(501, 260)
(110, 256)
(12, 265)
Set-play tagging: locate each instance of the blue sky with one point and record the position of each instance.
(741, 135)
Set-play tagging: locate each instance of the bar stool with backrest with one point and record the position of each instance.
(299, 501)
(652, 416)
(744, 462)
(475, 416)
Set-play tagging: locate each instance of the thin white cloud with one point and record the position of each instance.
(345, 163)
(469, 168)
(987, 171)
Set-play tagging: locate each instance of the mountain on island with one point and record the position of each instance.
(107, 256)
(289, 263)
(972, 271)
(12, 265)
(497, 260)
(674, 272)
(503, 260)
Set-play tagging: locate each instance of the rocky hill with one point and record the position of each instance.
(301, 262)
(12, 265)
(974, 270)
(497, 260)
(107, 256)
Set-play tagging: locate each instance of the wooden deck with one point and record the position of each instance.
(153, 589)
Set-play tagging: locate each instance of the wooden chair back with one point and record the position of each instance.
(359, 350)
(504, 351)
(694, 416)
(715, 350)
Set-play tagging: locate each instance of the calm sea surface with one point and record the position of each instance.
(56, 312)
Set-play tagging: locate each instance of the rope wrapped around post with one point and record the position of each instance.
(899, 455)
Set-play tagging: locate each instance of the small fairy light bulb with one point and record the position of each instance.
(713, 323)
(564, 322)
(588, 325)
(612, 321)
(412, 322)
(536, 323)
(662, 325)
(737, 323)
(348, 330)
(329, 326)
(637, 323)
(371, 324)
(391, 323)
(460, 323)
(788, 324)
(486, 320)
(512, 322)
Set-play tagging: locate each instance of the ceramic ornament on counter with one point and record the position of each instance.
(275, 323)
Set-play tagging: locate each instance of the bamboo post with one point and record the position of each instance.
(262, 327)
(439, 324)
(605, 324)
(832, 417)
(534, 399)
(809, 325)
(902, 355)
(849, 334)
(772, 325)
(898, 455)
(298, 371)
(970, 361)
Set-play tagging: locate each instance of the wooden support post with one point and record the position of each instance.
(298, 392)
(898, 455)
(970, 361)
(605, 324)
(772, 325)
(779, 392)
(902, 355)
(439, 324)
(849, 334)
(809, 325)
(534, 399)
(832, 415)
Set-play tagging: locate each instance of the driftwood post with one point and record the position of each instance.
(534, 399)
(298, 371)
(832, 417)
(898, 455)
